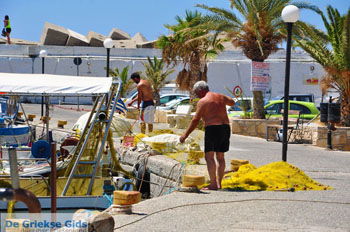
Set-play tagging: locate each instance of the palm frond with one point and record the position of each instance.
(229, 15)
(346, 40)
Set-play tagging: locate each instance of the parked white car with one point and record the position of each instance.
(172, 105)
(164, 98)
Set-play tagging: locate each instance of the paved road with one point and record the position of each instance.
(256, 211)
(70, 113)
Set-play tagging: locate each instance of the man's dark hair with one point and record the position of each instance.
(6, 17)
(135, 75)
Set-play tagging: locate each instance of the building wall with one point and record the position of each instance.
(229, 69)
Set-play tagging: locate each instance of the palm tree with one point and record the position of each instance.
(156, 76)
(127, 84)
(188, 45)
(258, 34)
(331, 49)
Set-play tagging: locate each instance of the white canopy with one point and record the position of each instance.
(55, 85)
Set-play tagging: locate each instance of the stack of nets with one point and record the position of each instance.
(167, 143)
(271, 177)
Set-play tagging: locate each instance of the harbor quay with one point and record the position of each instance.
(171, 209)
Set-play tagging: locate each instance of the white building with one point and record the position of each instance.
(229, 69)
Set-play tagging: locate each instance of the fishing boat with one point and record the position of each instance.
(84, 174)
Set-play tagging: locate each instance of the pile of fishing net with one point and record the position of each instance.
(271, 177)
(168, 143)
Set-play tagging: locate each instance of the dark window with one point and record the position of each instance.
(274, 109)
(172, 97)
(302, 109)
(306, 98)
(164, 100)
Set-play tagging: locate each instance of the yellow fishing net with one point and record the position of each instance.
(271, 177)
(138, 138)
(166, 142)
(159, 132)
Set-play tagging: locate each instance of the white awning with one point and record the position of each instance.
(54, 85)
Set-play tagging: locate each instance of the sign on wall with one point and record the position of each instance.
(260, 78)
(237, 91)
(310, 80)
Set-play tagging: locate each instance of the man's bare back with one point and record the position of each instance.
(145, 91)
(212, 109)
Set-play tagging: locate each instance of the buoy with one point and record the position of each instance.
(126, 197)
(235, 164)
(192, 181)
(31, 117)
(19, 114)
(44, 118)
(61, 123)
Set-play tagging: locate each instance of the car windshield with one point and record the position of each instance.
(173, 102)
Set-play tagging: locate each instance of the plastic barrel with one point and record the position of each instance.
(324, 112)
(41, 149)
(334, 112)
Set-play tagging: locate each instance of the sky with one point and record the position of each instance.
(145, 16)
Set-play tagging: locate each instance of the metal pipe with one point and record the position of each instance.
(42, 65)
(77, 70)
(108, 55)
(13, 167)
(25, 196)
(329, 129)
(42, 97)
(53, 183)
(286, 93)
(47, 114)
(329, 136)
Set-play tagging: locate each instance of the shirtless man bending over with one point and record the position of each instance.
(211, 108)
(144, 97)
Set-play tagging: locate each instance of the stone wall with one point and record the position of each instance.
(340, 137)
(317, 135)
(252, 127)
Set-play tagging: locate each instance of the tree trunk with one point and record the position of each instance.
(195, 73)
(156, 97)
(258, 105)
(345, 110)
(258, 101)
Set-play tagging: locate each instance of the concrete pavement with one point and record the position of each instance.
(247, 211)
(256, 211)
